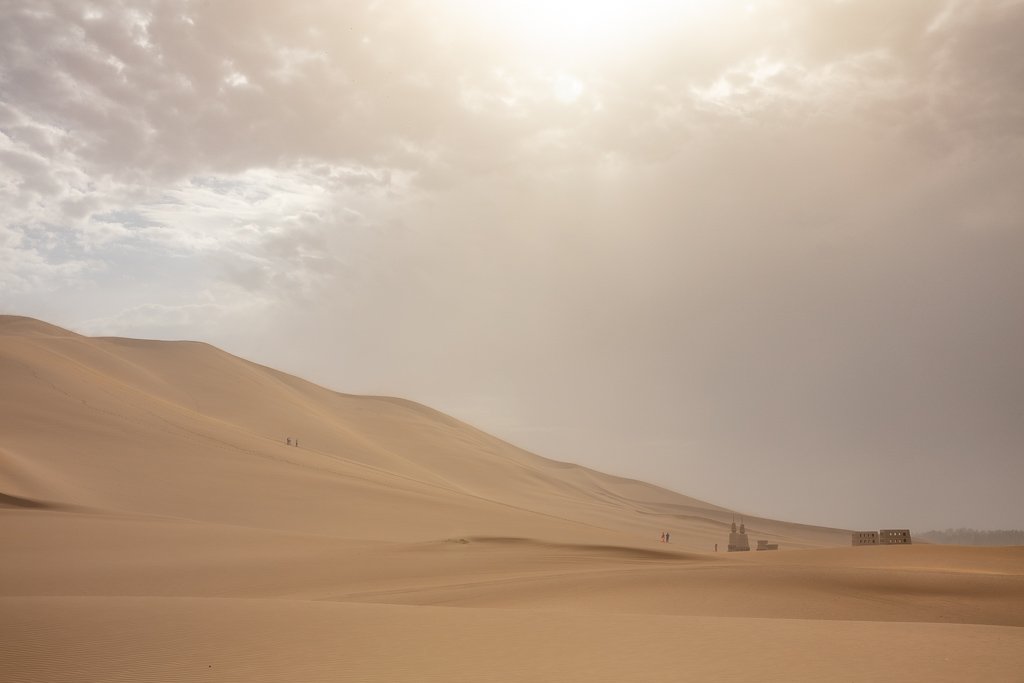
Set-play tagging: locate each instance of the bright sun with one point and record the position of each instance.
(565, 44)
(574, 29)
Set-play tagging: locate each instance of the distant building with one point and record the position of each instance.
(894, 537)
(738, 539)
(883, 537)
(865, 538)
(765, 545)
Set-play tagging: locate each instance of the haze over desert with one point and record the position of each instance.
(511, 340)
(156, 526)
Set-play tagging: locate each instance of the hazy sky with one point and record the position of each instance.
(769, 254)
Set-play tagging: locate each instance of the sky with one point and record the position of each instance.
(769, 254)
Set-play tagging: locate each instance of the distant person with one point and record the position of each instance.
(662, 536)
(716, 547)
(666, 537)
(296, 443)
(289, 440)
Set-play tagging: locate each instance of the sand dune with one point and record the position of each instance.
(183, 429)
(156, 526)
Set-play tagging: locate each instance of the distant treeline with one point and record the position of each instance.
(975, 536)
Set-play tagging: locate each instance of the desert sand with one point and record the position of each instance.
(156, 526)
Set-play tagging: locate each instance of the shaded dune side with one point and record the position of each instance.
(10, 501)
(583, 549)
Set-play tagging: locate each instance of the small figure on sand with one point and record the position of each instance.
(288, 441)
(296, 442)
(716, 547)
(662, 536)
(666, 537)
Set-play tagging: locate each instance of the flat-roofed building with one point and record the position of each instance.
(894, 537)
(883, 537)
(765, 545)
(865, 538)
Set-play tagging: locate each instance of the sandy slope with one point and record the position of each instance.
(183, 429)
(156, 527)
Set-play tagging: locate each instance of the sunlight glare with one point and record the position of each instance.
(575, 30)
